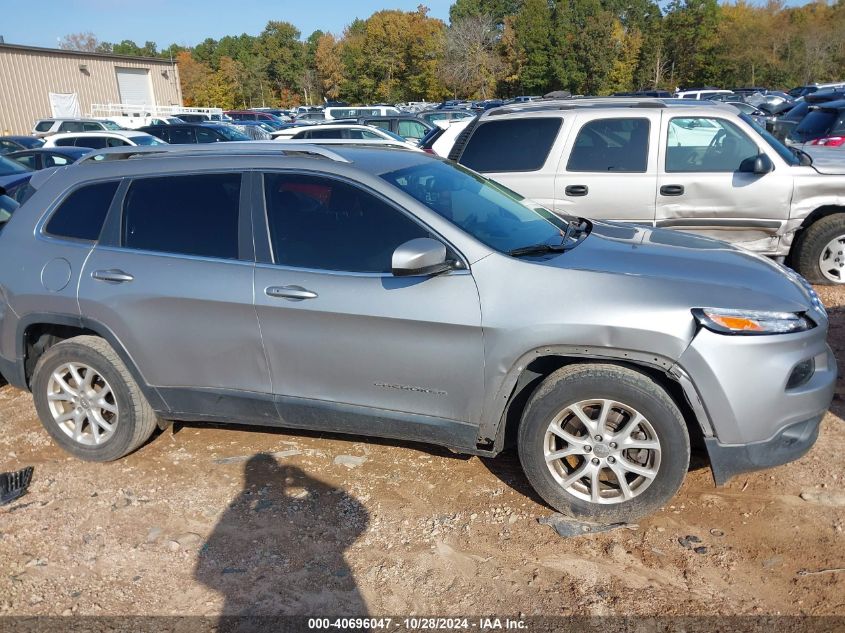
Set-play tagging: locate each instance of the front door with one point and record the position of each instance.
(350, 346)
(701, 188)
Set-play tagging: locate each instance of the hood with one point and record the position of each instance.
(827, 160)
(701, 271)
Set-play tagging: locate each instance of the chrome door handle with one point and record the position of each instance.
(113, 275)
(292, 293)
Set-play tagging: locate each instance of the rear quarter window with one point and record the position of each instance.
(43, 126)
(515, 145)
(81, 215)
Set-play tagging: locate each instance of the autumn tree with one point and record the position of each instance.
(85, 41)
(329, 66)
(470, 63)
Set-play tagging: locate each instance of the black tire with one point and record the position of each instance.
(136, 420)
(810, 245)
(577, 383)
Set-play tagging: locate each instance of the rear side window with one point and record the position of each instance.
(94, 142)
(605, 145)
(83, 212)
(44, 126)
(65, 142)
(515, 145)
(185, 215)
(178, 135)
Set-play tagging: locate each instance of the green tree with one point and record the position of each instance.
(280, 44)
(532, 34)
(581, 58)
(691, 37)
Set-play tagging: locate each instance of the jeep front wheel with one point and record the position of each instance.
(603, 443)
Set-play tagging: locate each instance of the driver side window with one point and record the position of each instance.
(699, 144)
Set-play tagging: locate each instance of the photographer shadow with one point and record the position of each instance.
(278, 550)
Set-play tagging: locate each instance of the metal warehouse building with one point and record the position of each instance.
(37, 83)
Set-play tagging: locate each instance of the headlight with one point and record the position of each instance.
(814, 297)
(752, 322)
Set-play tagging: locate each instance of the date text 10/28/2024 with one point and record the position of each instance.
(421, 623)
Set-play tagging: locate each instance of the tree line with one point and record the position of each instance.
(510, 47)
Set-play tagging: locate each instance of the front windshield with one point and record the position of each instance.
(9, 167)
(148, 140)
(232, 134)
(492, 214)
(783, 151)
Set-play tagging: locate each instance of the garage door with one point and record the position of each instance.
(134, 86)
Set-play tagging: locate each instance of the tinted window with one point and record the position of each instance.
(516, 145)
(44, 126)
(605, 145)
(189, 215)
(385, 125)
(29, 160)
(56, 160)
(817, 123)
(91, 127)
(65, 142)
(94, 142)
(9, 167)
(83, 212)
(115, 142)
(178, 135)
(205, 135)
(704, 144)
(411, 129)
(71, 126)
(329, 225)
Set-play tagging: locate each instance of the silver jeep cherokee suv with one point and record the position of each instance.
(389, 293)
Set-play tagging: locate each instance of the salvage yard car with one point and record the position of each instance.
(701, 168)
(390, 293)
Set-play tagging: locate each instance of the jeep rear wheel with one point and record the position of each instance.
(603, 443)
(88, 401)
(819, 252)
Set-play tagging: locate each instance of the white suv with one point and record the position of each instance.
(101, 140)
(694, 166)
(48, 127)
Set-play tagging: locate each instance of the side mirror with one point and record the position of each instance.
(421, 256)
(760, 164)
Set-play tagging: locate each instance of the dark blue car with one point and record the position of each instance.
(45, 157)
(13, 176)
(10, 144)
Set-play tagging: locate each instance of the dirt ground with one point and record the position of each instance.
(213, 520)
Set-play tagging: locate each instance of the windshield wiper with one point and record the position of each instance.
(536, 249)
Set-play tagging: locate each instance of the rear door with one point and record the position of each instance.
(520, 153)
(700, 187)
(172, 279)
(608, 169)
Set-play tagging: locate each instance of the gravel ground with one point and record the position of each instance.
(212, 520)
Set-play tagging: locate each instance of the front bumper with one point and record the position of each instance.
(787, 445)
(757, 421)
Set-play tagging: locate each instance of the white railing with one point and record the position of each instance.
(105, 110)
